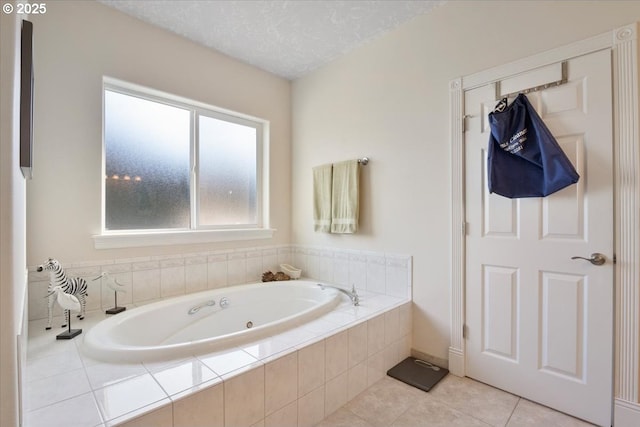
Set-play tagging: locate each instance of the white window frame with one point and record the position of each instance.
(108, 239)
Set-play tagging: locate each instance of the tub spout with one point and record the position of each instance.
(195, 309)
(353, 295)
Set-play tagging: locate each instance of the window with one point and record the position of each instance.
(177, 166)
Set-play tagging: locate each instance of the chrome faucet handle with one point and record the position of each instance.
(197, 308)
(355, 298)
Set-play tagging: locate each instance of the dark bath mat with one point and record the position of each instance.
(418, 373)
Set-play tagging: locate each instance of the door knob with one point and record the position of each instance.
(596, 258)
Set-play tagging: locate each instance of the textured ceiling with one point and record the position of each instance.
(287, 38)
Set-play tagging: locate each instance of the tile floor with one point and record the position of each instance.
(452, 402)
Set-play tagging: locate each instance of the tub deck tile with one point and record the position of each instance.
(56, 388)
(103, 374)
(130, 398)
(226, 361)
(84, 409)
(186, 375)
(267, 347)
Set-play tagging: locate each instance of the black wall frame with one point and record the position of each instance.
(26, 99)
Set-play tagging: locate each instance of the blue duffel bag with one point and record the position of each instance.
(524, 159)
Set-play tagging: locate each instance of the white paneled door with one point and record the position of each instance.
(539, 324)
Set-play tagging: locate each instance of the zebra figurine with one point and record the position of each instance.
(76, 286)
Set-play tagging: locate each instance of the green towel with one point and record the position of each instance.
(322, 176)
(344, 197)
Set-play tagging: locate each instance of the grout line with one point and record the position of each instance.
(513, 411)
(356, 415)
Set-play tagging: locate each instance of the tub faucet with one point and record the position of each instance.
(195, 309)
(353, 295)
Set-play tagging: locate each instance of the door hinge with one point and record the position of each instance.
(465, 331)
(464, 121)
(464, 228)
(615, 259)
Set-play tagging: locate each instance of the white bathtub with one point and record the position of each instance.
(165, 329)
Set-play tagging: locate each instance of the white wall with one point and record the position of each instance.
(12, 219)
(76, 44)
(389, 100)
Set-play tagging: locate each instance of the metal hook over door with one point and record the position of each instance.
(596, 258)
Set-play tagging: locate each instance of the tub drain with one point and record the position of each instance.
(249, 324)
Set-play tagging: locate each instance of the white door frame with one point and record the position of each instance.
(623, 44)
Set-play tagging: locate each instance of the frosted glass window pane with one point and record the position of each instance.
(147, 164)
(227, 173)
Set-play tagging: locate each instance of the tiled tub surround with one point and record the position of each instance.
(295, 378)
(148, 279)
(290, 379)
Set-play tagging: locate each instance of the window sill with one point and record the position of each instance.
(162, 238)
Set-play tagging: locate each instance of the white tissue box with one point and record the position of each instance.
(291, 271)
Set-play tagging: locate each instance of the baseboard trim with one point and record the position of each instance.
(456, 362)
(625, 413)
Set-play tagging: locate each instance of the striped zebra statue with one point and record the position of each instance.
(76, 286)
